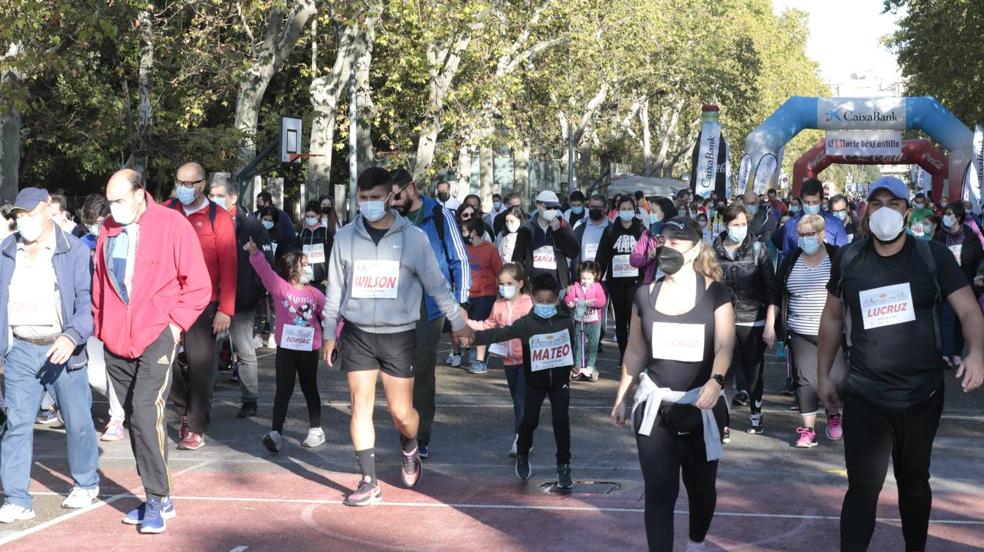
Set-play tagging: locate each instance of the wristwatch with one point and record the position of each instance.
(718, 378)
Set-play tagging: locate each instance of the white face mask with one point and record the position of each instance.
(29, 227)
(512, 226)
(307, 274)
(549, 215)
(124, 213)
(886, 224)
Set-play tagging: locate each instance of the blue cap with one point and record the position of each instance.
(892, 184)
(28, 199)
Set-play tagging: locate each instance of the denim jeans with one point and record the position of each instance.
(517, 389)
(592, 335)
(28, 375)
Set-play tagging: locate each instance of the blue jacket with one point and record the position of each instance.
(451, 255)
(74, 277)
(834, 233)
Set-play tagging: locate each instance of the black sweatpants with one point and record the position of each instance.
(872, 434)
(194, 383)
(142, 384)
(663, 455)
(621, 299)
(560, 401)
(292, 366)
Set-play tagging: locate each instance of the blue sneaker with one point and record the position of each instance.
(136, 515)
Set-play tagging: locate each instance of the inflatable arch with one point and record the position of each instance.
(759, 168)
(914, 152)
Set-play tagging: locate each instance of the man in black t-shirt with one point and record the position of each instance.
(892, 287)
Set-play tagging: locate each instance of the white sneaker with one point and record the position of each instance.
(512, 451)
(271, 342)
(80, 498)
(10, 513)
(454, 360)
(315, 438)
(695, 546)
(272, 441)
(257, 342)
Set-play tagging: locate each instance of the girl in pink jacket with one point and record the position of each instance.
(587, 299)
(513, 303)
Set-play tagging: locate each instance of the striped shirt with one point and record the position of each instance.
(807, 289)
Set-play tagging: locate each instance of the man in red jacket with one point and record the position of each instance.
(194, 381)
(142, 299)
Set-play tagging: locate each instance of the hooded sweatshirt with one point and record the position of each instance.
(378, 287)
(548, 346)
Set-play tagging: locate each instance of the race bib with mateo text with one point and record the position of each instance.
(551, 350)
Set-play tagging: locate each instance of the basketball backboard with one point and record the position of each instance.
(291, 139)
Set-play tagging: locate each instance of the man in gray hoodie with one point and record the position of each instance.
(377, 276)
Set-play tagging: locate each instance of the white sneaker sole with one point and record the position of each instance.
(166, 515)
(20, 517)
(270, 444)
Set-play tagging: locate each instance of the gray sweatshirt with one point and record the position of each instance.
(379, 287)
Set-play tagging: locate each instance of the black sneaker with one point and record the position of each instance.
(411, 466)
(564, 481)
(524, 470)
(247, 409)
(756, 427)
(741, 399)
(367, 493)
(423, 450)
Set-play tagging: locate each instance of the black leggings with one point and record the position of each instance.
(871, 435)
(663, 455)
(621, 298)
(560, 401)
(747, 364)
(304, 366)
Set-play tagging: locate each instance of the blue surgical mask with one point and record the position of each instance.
(311, 221)
(752, 209)
(842, 215)
(507, 292)
(737, 233)
(626, 216)
(496, 205)
(372, 210)
(545, 311)
(185, 195)
(268, 224)
(577, 209)
(949, 221)
(794, 209)
(809, 244)
(811, 209)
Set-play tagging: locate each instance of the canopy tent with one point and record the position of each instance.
(650, 186)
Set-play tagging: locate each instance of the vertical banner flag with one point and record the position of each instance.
(704, 169)
(763, 173)
(743, 170)
(975, 172)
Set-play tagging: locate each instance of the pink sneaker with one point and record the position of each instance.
(834, 429)
(807, 438)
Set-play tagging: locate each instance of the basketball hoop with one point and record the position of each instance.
(295, 157)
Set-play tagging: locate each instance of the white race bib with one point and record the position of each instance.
(315, 253)
(622, 268)
(681, 342)
(544, 259)
(551, 351)
(499, 349)
(956, 250)
(590, 252)
(887, 306)
(375, 279)
(297, 338)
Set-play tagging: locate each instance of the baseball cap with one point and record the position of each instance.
(892, 184)
(548, 198)
(28, 199)
(681, 228)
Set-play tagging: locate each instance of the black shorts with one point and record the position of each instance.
(392, 352)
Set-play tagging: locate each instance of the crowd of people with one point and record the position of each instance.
(868, 298)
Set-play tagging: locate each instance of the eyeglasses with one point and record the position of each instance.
(809, 235)
(188, 183)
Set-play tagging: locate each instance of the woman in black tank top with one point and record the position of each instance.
(681, 338)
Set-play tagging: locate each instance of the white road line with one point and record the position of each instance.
(75, 513)
(240, 548)
(467, 506)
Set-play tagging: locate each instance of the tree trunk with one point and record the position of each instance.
(10, 126)
(464, 169)
(365, 153)
(521, 171)
(140, 157)
(325, 92)
(668, 133)
(279, 40)
(486, 163)
(647, 141)
(584, 169)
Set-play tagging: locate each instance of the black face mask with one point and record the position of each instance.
(443, 196)
(596, 214)
(670, 260)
